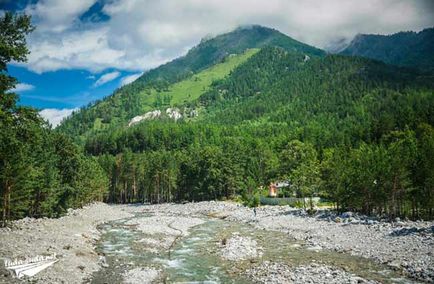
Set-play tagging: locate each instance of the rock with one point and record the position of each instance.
(141, 275)
(240, 248)
(348, 214)
(270, 272)
(314, 248)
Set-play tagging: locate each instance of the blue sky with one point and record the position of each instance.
(64, 88)
(82, 50)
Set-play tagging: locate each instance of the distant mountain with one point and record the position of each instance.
(152, 90)
(409, 49)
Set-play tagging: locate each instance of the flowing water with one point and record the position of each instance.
(196, 259)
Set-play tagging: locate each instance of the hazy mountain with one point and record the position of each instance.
(408, 49)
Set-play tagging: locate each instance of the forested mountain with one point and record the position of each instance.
(356, 131)
(408, 49)
(151, 89)
(353, 130)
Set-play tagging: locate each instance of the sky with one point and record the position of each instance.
(82, 50)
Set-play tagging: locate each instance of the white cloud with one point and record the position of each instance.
(57, 15)
(22, 87)
(55, 116)
(143, 34)
(106, 78)
(130, 78)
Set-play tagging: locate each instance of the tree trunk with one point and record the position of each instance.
(6, 200)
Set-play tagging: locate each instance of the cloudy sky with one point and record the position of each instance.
(84, 49)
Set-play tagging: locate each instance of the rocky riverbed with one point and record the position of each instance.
(72, 238)
(404, 246)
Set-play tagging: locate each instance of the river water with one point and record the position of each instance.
(196, 259)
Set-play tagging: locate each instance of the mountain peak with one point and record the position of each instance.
(212, 50)
(209, 52)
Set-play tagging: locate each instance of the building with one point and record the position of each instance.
(276, 186)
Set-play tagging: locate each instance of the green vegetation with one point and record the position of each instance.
(142, 95)
(190, 89)
(351, 130)
(42, 173)
(408, 49)
(346, 129)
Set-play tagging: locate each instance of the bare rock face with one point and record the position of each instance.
(147, 116)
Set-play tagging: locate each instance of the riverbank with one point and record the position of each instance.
(405, 246)
(72, 238)
(402, 245)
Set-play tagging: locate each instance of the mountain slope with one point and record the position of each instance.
(130, 101)
(408, 49)
(354, 130)
(212, 51)
(327, 101)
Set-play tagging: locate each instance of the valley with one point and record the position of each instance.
(251, 157)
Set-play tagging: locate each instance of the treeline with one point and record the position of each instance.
(354, 131)
(394, 177)
(42, 173)
(194, 163)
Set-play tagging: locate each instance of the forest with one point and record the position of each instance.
(353, 131)
(42, 172)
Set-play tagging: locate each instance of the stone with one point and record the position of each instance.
(348, 214)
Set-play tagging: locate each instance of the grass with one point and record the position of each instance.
(192, 88)
(184, 91)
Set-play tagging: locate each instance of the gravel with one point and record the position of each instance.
(141, 275)
(72, 238)
(238, 248)
(274, 272)
(403, 245)
(162, 230)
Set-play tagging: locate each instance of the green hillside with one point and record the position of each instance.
(141, 95)
(408, 49)
(190, 89)
(332, 125)
(353, 130)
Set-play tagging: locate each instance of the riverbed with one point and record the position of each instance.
(221, 242)
(203, 255)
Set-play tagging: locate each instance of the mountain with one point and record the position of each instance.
(152, 88)
(332, 125)
(408, 49)
(356, 131)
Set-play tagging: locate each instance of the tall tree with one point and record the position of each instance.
(15, 122)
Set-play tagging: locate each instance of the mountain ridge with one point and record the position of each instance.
(407, 49)
(123, 104)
